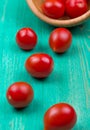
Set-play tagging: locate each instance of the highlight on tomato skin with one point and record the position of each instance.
(20, 94)
(53, 8)
(76, 8)
(26, 38)
(39, 65)
(61, 116)
(60, 40)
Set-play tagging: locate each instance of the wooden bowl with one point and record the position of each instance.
(35, 6)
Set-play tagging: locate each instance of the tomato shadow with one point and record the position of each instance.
(40, 79)
(71, 52)
(28, 77)
(33, 107)
(61, 54)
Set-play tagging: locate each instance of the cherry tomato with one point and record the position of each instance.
(20, 94)
(60, 40)
(76, 8)
(64, 1)
(26, 38)
(53, 8)
(61, 116)
(39, 65)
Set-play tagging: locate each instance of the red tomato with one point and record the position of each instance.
(53, 8)
(26, 38)
(60, 40)
(20, 94)
(61, 116)
(64, 1)
(76, 8)
(39, 65)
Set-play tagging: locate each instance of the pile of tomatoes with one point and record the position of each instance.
(61, 116)
(58, 8)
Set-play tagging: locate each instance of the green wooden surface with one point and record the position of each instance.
(69, 82)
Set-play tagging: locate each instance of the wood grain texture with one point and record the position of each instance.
(69, 82)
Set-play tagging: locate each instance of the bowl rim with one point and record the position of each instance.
(65, 23)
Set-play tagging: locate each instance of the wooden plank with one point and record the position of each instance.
(69, 82)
